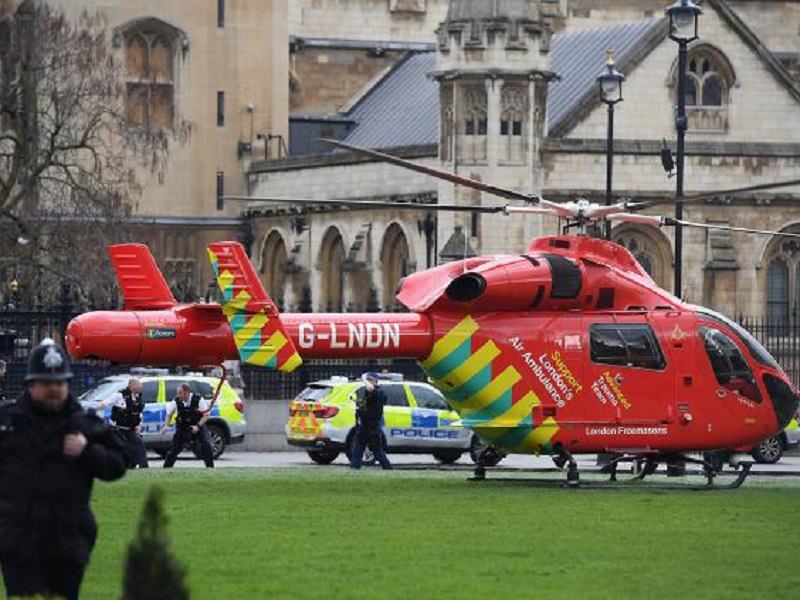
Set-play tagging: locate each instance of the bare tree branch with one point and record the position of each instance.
(68, 155)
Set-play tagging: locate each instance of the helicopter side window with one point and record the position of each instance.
(626, 346)
(728, 363)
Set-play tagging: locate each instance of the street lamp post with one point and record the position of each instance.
(683, 23)
(610, 85)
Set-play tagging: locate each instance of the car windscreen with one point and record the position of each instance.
(755, 348)
(315, 392)
(102, 391)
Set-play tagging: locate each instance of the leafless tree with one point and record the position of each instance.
(70, 163)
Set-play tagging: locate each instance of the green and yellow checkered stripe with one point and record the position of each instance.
(486, 391)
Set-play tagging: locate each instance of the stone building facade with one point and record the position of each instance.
(214, 74)
(515, 102)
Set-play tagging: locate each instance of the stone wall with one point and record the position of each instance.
(266, 420)
(247, 59)
(760, 109)
(326, 80)
(367, 19)
(361, 230)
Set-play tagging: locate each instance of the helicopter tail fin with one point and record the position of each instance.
(143, 285)
(251, 313)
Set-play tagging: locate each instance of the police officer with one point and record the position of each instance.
(51, 451)
(190, 425)
(370, 420)
(127, 407)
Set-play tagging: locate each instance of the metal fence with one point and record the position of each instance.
(781, 338)
(21, 330)
(272, 385)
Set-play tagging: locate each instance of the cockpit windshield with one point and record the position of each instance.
(755, 348)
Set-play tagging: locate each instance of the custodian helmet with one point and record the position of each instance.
(48, 362)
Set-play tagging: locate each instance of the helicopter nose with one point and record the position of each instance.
(784, 400)
(111, 336)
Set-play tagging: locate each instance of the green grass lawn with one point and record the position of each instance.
(327, 532)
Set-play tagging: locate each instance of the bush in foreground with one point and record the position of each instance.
(151, 571)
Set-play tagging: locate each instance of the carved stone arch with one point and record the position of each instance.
(724, 65)
(767, 245)
(650, 247)
(153, 24)
(710, 76)
(152, 70)
(332, 254)
(274, 259)
(396, 258)
(780, 276)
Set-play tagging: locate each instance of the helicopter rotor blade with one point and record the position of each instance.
(379, 204)
(711, 195)
(603, 212)
(670, 222)
(494, 190)
(370, 204)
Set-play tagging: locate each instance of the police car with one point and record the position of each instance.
(417, 420)
(226, 424)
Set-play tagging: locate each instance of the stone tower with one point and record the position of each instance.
(493, 73)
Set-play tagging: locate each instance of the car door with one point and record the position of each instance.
(154, 411)
(397, 416)
(433, 419)
(628, 374)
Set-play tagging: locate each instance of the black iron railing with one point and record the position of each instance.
(781, 337)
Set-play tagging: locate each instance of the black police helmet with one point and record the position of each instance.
(48, 362)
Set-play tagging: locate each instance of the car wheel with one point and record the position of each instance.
(323, 457)
(447, 457)
(477, 447)
(368, 459)
(161, 452)
(769, 451)
(218, 442)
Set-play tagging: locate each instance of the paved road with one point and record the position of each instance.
(301, 460)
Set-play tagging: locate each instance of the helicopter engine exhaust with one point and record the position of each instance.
(514, 283)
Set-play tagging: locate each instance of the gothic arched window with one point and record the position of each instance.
(472, 124)
(331, 259)
(151, 62)
(782, 260)
(396, 263)
(709, 79)
(650, 249)
(274, 259)
(513, 124)
(778, 292)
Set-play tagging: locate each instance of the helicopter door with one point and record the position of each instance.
(628, 374)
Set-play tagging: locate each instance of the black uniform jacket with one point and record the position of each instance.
(371, 412)
(44, 496)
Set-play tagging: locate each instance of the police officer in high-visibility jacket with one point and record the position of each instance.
(370, 421)
(192, 412)
(127, 407)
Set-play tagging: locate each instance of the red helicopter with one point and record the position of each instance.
(567, 348)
